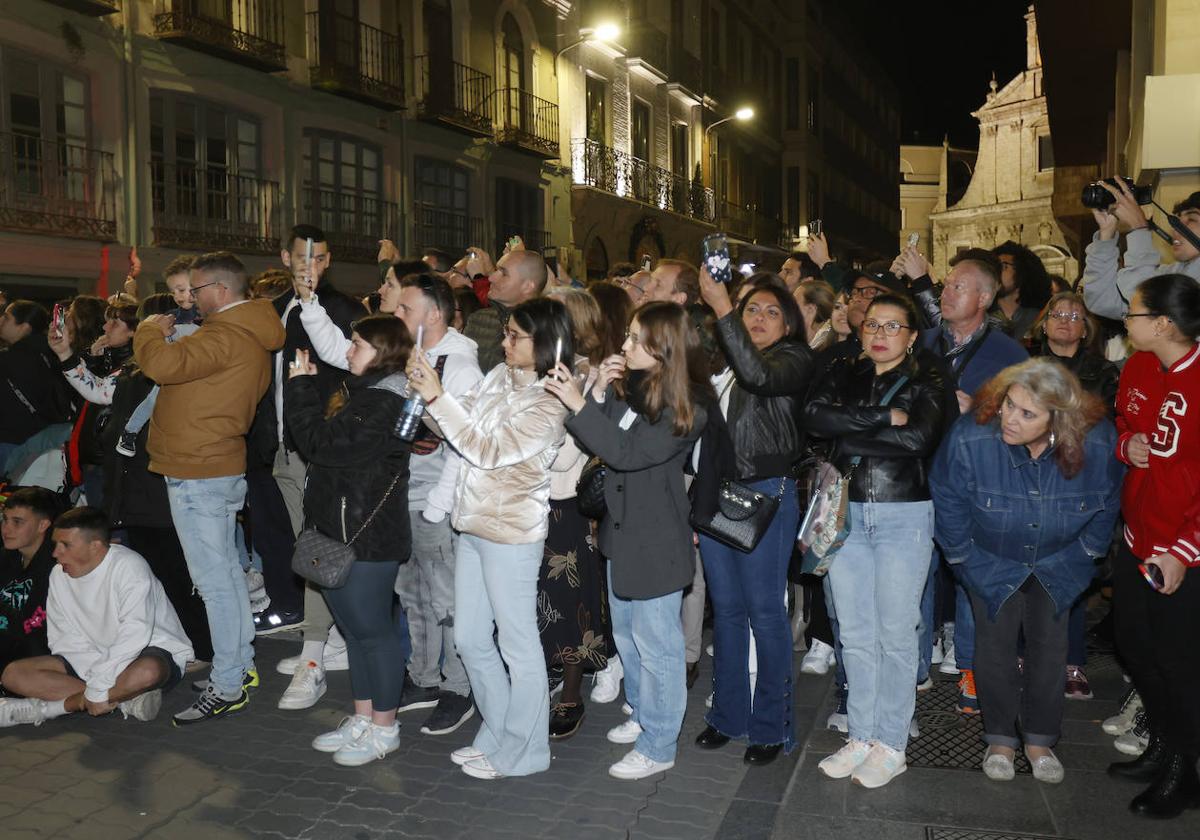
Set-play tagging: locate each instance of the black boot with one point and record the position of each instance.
(1146, 767)
(1176, 789)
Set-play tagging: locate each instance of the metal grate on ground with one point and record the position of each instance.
(949, 740)
(936, 833)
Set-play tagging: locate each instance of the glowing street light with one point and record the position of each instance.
(607, 31)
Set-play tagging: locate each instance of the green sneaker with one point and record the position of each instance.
(210, 705)
(249, 680)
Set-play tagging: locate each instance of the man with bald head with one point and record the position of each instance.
(519, 276)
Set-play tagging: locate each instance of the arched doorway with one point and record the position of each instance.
(597, 260)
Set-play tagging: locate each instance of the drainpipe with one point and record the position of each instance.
(133, 181)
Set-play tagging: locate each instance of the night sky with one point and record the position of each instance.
(955, 48)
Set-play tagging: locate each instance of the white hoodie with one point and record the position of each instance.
(101, 622)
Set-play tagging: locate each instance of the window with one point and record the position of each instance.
(341, 184)
(640, 139)
(597, 110)
(441, 197)
(519, 213)
(679, 149)
(1045, 152)
(714, 37)
(814, 99)
(793, 197)
(791, 92)
(513, 72)
(813, 200)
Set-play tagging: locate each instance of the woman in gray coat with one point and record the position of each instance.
(643, 428)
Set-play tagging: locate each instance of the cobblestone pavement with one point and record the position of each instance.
(254, 776)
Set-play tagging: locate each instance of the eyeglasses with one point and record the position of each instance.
(1067, 316)
(1129, 315)
(891, 328)
(514, 336)
(867, 292)
(192, 291)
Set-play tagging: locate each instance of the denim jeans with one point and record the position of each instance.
(839, 664)
(876, 580)
(928, 620)
(496, 583)
(205, 513)
(1077, 632)
(649, 638)
(363, 611)
(747, 592)
(964, 627)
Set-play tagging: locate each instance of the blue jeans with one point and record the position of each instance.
(363, 611)
(928, 624)
(747, 592)
(876, 580)
(496, 583)
(205, 513)
(649, 637)
(964, 627)
(141, 415)
(839, 665)
(1077, 633)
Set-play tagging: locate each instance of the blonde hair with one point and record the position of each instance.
(586, 321)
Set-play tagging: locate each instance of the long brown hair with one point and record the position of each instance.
(616, 310)
(586, 322)
(680, 379)
(1073, 411)
(392, 343)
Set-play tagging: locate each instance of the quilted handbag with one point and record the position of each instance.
(743, 515)
(589, 490)
(327, 561)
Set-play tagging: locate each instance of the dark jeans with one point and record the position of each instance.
(747, 593)
(1033, 700)
(271, 536)
(363, 612)
(1157, 639)
(160, 547)
(819, 626)
(1077, 633)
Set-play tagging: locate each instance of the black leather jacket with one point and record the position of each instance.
(1096, 374)
(764, 403)
(844, 408)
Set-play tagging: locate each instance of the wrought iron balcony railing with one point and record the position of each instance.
(622, 174)
(354, 60)
(354, 223)
(452, 231)
(526, 122)
(205, 209)
(249, 32)
(454, 94)
(57, 188)
(96, 8)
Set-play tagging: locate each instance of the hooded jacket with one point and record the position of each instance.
(211, 383)
(33, 395)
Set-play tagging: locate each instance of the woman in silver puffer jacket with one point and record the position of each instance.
(508, 432)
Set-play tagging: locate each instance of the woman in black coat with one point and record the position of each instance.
(645, 432)
(357, 492)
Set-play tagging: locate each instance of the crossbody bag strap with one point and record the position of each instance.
(378, 508)
(887, 398)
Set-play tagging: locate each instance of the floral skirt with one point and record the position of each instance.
(572, 606)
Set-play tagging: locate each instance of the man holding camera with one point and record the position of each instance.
(1107, 288)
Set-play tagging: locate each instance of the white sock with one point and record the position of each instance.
(54, 708)
(312, 652)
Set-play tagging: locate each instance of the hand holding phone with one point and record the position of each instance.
(59, 319)
(715, 256)
(814, 227)
(647, 262)
(1153, 575)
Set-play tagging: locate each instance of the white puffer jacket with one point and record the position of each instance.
(508, 432)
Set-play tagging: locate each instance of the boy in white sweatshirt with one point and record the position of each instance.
(115, 640)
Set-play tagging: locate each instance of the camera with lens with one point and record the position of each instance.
(1098, 198)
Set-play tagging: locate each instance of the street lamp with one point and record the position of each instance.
(741, 115)
(606, 31)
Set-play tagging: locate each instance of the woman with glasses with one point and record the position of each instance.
(508, 431)
(643, 413)
(877, 576)
(1156, 593)
(770, 367)
(1026, 492)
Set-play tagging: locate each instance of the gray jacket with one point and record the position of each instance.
(645, 535)
(1107, 289)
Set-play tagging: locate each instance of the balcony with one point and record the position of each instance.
(354, 60)
(454, 95)
(57, 189)
(687, 70)
(202, 209)
(535, 240)
(352, 222)
(526, 123)
(622, 174)
(249, 32)
(95, 8)
(452, 231)
(735, 219)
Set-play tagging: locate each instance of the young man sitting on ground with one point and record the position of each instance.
(115, 640)
(25, 564)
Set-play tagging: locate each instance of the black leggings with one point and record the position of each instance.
(363, 612)
(1157, 639)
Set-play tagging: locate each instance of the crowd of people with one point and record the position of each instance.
(1009, 447)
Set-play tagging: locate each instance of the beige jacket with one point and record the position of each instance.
(508, 432)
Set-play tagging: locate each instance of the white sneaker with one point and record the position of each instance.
(925, 684)
(637, 766)
(1123, 720)
(936, 654)
(464, 754)
(144, 707)
(1135, 741)
(914, 730)
(14, 710)
(351, 727)
(881, 766)
(374, 743)
(626, 709)
(842, 763)
(948, 665)
(306, 688)
(481, 768)
(607, 682)
(708, 700)
(335, 657)
(626, 733)
(256, 584)
(708, 649)
(819, 659)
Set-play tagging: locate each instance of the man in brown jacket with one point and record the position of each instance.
(211, 383)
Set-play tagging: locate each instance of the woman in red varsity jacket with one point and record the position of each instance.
(1156, 602)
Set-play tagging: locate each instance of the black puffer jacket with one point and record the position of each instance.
(845, 407)
(765, 400)
(352, 458)
(133, 495)
(1096, 374)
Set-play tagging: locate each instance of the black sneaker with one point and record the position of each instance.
(413, 696)
(249, 681)
(565, 719)
(453, 710)
(268, 622)
(127, 444)
(210, 705)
